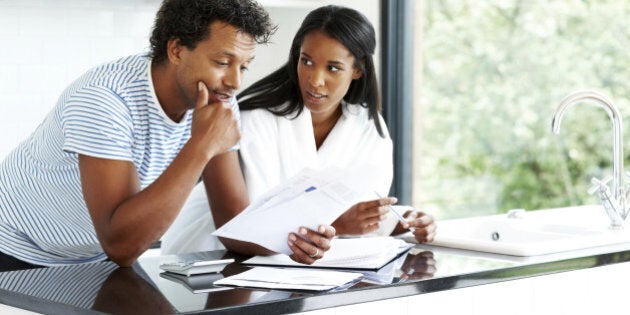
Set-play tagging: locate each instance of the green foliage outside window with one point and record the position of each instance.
(493, 74)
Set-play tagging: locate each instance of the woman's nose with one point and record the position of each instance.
(316, 78)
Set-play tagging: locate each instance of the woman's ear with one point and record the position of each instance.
(174, 49)
(357, 72)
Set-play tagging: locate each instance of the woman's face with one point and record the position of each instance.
(325, 71)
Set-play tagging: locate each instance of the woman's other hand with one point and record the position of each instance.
(422, 224)
(310, 245)
(418, 266)
(363, 217)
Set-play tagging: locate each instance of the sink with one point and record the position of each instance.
(531, 233)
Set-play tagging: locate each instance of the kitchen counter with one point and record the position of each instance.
(102, 287)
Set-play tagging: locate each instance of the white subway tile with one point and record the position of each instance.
(40, 21)
(54, 42)
(24, 50)
(9, 20)
(89, 22)
(8, 79)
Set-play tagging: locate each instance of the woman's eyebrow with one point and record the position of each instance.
(332, 62)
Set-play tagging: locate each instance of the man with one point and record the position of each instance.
(108, 170)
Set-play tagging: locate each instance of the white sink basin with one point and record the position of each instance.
(532, 232)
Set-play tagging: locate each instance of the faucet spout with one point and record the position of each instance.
(615, 117)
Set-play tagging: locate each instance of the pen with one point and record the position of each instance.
(391, 209)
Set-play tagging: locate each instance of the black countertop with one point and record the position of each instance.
(103, 287)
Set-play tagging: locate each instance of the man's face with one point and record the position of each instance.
(219, 61)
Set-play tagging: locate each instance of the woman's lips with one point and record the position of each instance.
(315, 97)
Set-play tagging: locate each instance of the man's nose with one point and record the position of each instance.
(233, 78)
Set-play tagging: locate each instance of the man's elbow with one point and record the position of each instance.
(244, 248)
(123, 256)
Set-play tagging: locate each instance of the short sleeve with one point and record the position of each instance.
(97, 123)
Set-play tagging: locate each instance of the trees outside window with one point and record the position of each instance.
(492, 75)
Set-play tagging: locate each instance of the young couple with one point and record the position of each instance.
(108, 171)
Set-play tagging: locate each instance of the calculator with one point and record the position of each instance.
(194, 267)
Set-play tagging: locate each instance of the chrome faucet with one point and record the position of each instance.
(615, 205)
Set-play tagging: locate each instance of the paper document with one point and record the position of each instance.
(365, 253)
(311, 198)
(292, 279)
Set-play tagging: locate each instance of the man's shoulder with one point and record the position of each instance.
(118, 76)
(130, 67)
(122, 79)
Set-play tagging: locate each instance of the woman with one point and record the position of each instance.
(320, 109)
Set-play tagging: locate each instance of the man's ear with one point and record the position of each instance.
(174, 49)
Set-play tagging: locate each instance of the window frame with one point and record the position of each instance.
(397, 86)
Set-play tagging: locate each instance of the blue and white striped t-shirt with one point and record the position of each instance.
(110, 112)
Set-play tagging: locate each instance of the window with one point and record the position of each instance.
(489, 77)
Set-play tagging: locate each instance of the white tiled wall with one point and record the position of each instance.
(44, 45)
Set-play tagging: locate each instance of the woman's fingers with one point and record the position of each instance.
(310, 245)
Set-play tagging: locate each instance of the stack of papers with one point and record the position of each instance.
(290, 279)
(311, 198)
(365, 253)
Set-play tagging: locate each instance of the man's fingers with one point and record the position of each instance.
(202, 97)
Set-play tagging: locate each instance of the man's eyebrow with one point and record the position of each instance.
(232, 55)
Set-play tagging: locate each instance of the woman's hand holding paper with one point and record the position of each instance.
(363, 217)
(310, 245)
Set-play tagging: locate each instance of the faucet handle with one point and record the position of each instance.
(599, 184)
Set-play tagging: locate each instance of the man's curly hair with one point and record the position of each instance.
(189, 21)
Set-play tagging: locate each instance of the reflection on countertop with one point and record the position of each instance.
(103, 287)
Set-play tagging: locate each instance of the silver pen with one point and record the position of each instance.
(391, 209)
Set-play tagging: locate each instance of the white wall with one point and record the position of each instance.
(45, 44)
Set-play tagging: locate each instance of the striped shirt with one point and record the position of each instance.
(87, 286)
(110, 112)
(77, 286)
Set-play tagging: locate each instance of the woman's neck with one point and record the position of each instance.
(323, 125)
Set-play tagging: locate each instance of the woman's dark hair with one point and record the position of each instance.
(189, 21)
(353, 30)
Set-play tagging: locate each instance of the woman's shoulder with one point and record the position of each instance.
(360, 116)
(256, 115)
(264, 114)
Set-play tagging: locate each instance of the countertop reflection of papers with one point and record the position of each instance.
(290, 279)
(311, 198)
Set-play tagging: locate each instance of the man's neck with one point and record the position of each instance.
(166, 92)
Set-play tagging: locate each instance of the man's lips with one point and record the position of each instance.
(221, 96)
